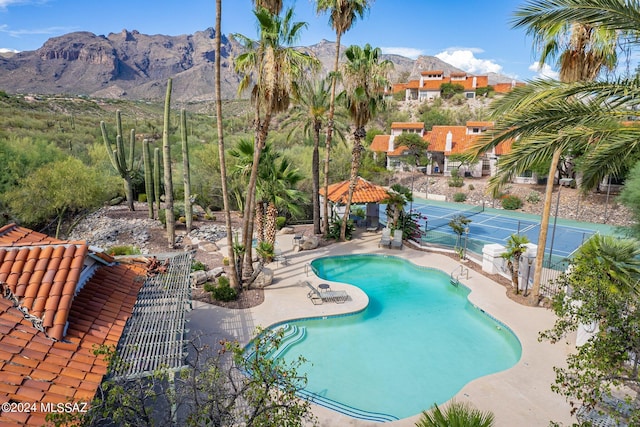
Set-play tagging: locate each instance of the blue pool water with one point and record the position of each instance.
(418, 342)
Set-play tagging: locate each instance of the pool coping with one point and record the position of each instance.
(520, 395)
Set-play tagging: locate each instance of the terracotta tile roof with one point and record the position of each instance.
(12, 234)
(438, 136)
(506, 87)
(426, 73)
(434, 84)
(380, 143)
(365, 192)
(40, 297)
(479, 124)
(399, 87)
(407, 125)
(458, 74)
(503, 148)
(413, 84)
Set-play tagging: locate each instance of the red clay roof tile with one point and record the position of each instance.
(365, 192)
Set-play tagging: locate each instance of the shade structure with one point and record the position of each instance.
(365, 192)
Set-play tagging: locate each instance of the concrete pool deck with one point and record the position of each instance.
(519, 396)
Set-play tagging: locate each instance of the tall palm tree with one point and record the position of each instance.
(270, 66)
(398, 198)
(581, 51)
(342, 16)
(273, 6)
(233, 277)
(365, 78)
(456, 414)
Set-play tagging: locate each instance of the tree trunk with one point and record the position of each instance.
(327, 144)
(356, 155)
(514, 273)
(233, 277)
(270, 223)
(315, 173)
(168, 179)
(544, 226)
(259, 221)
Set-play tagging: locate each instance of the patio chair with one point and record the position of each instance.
(396, 242)
(374, 224)
(318, 297)
(385, 239)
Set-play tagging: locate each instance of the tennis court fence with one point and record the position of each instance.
(434, 223)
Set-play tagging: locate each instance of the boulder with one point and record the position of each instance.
(309, 243)
(265, 278)
(286, 230)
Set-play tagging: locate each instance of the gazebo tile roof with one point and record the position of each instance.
(365, 192)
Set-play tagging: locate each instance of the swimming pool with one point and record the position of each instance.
(418, 342)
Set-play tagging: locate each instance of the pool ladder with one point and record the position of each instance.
(455, 278)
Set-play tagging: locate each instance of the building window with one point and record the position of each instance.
(486, 164)
(526, 174)
(453, 165)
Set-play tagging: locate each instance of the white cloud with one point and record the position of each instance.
(465, 59)
(544, 72)
(409, 52)
(4, 4)
(35, 31)
(5, 50)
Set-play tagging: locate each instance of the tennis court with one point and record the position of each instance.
(495, 226)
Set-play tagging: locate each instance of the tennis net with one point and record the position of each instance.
(433, 223)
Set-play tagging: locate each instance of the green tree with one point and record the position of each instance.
(365, 78)
(308, 117)
(342, 16)
(416, 146)
(600, 296)
(398, 198)
(272, 68)
(448, 90)
(57, 189)
(516, 246)
(581, 50)
(459, 224)
(630, 197)
(456, 414)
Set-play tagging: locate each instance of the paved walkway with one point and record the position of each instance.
(520, 396)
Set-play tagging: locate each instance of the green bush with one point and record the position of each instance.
(123, 250)
(198, 266)
(224, 292)
(533, 197)
(162, 215)
(511, 202)
(455, 180)
(280, 222)
(142, 198)
(459, 197)
(334, 229)
(209, 287)
(471, 187)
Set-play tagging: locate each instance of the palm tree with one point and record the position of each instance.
(233, 277)
(271, 67)
(581, 50)
(273, 6)
(342, 16)
(456, 415)
(516, 246)
(399, 196)
(365, 79)
(308, 116)
(620, 257)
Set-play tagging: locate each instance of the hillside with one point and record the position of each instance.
(132, 65)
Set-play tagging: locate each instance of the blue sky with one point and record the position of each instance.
(474, 35)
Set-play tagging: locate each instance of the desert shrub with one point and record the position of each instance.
(511, 202)
(533, 197)
(455, 180)
(471, 187)
(334, 229)
(209, 287)
(123, 250)
(198, 266)
(142, 198)
(224, 292)
(459, 197)
(280, 222)
(162, 215)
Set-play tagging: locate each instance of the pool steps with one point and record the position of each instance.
(347, 410)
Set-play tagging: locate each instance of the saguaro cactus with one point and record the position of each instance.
(168, 183)
(148, 176)
(157, 189)
(119, 160)
(186, 175)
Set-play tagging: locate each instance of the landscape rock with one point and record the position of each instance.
(310, 243)
(265, 278)
(286, 230)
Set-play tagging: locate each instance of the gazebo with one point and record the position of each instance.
(365, 192)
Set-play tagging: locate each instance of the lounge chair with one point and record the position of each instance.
(318, 297)
(373, 226)
(396, 242)
(385, 239)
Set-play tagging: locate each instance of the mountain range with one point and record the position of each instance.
(132, 65)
